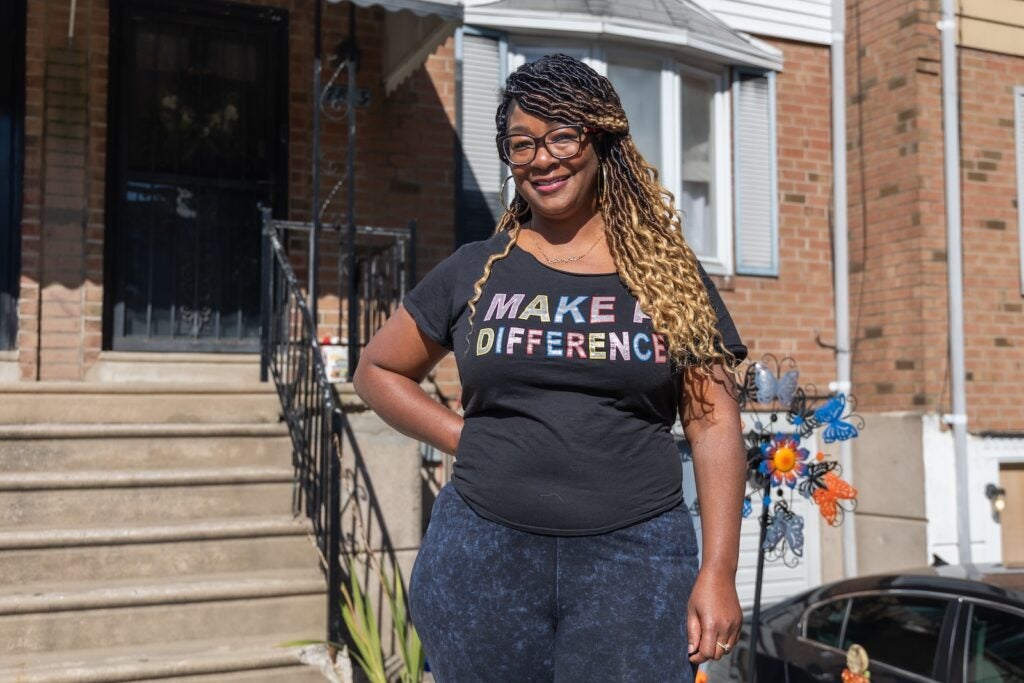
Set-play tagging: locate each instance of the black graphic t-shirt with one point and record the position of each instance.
(569, 396)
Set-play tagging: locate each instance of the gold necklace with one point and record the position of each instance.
(563, 259)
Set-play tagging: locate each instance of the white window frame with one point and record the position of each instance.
(595, 54)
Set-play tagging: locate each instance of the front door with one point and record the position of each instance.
(1011, 519)
(12, 113)
(199, 134)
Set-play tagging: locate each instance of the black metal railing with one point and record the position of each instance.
(291, 354)
(309, 403)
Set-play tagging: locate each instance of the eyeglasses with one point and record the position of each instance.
(520, 149)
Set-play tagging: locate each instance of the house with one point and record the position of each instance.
(898, 261)
(138, 138)
(147, 479)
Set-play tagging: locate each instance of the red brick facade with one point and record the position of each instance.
(788, 315)
(994, 314)
(405, 170)
(898, 223)
(61, 302)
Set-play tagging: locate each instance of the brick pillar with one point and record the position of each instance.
(65, 187)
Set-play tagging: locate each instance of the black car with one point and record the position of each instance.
(939, 624)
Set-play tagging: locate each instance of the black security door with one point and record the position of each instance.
(12, 115)
(200, 143)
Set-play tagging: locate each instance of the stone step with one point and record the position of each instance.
(260, 658)
(182, 495)
(42, 554)
(140, 366)
(55, 447)
(38, 618)
(130, 402)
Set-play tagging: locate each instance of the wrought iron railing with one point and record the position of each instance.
(309, 403)
(291, 354)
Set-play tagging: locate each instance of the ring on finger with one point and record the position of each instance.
(725, 647)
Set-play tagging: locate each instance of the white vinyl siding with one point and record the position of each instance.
(755, 165)
(780, 580)
(481, 60)
(808, 21)
(1018, 103)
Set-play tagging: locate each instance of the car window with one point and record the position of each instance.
(783, 618)
(824, 623)
(898, 630)
(995, 649)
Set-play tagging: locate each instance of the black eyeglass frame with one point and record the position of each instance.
(541, 140)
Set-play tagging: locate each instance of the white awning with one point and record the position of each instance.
(413, 29)
(450, 10)
(678, 24)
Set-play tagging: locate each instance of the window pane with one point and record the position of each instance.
(698, 164)
(995, 651)
(825, 623)
(639, 87)
(901, 631)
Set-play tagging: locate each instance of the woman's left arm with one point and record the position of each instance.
(710, 416)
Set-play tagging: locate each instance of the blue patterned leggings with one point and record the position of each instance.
(494, 604)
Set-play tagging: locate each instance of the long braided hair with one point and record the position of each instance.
(641, 225)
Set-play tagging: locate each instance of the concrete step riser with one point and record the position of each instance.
(154, 560)
(138, 408)
(143, 505)
(290, 674)
(149, 453)
(303, 615)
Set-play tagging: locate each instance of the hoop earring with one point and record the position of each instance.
(504, 205)
(602, 184)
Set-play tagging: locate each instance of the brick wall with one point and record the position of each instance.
(62, 283)
(994, 314)
(898, 223)
(788, 315)
(896, 211)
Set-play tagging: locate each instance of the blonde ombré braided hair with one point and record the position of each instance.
(641, 225)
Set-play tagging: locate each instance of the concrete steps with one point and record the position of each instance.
(33, 554)
(147, 534)
(258, 659)
(130, 402)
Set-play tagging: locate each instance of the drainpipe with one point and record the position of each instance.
(954, 265)
(841, 264)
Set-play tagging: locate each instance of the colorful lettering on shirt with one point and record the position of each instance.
(642, 355)
(582, 344)
(484, 341)
(618, 346)
(504, 306)
(533, 338)
(538, 307)
(554, 344)
(659, 349)
(497, 342)
(598, 306)
(596, 345)
(574, 342)
(515, 336)
(573, 308)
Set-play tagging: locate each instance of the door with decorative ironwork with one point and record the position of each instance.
(12, 115)
(199, 135)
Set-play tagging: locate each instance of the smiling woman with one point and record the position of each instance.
(562, 549)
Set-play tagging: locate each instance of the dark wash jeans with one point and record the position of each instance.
(494, 604)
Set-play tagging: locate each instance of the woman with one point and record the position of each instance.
(562, 549)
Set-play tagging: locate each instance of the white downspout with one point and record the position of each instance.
(841, 265)
(954, 264)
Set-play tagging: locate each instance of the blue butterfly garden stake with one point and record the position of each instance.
(778, 459)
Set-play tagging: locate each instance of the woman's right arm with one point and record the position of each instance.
(388, 377)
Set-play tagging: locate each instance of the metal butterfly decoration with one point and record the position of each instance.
(785, 417)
